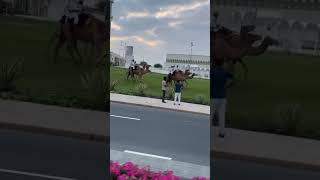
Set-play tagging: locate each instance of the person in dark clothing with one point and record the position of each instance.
(220, 81)
(177, 95)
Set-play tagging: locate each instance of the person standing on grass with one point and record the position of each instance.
(177, 90)
(164, 88)
(221, 81)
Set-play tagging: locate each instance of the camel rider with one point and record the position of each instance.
(215, 26)
(72, 12)
(132, 65)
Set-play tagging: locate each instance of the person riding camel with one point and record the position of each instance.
(72, 12)
(216, 27)
(132, 65)
(175, 70)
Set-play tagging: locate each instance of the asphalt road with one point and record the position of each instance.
(30, 156)
(226, 169)
(178, 135)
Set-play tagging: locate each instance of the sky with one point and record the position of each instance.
(159, 27)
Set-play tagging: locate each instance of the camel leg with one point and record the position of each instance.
(244, 66)
(57, 50)
(76, 49)
(71, 53)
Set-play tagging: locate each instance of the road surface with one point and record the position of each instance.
(226, 169)
(30, 156)
(177, 135)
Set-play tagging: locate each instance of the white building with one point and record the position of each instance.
(117, 60)
(198, 64)
(295, 23)
(51, 9)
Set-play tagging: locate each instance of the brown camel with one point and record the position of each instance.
(180, 75)
(138, 71)
(233, 48)
(91, 30)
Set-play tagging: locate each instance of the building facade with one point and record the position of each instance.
(52, 9)
(117, 60)
(295, 23)
(198, 64)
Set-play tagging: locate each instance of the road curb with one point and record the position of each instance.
(56, 132)
(262, 160)
(170, 109)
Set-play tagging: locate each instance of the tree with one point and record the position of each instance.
(142, 63)
(157, 66)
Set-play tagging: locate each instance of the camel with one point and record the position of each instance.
(140, 72)
(91, 30)
(233, 48)
(180, 75)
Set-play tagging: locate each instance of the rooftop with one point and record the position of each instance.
(187, 57)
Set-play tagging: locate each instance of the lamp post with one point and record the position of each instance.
(191, 45)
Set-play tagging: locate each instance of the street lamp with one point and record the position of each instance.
(191, 45)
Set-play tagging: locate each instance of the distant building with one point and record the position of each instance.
(198, 64)
(52, 9)
(295, 23)
(117, 60)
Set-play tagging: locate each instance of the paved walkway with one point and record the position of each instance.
(152, 102)
(267, 148)
(53, 119)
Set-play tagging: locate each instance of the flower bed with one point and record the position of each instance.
(130, 171)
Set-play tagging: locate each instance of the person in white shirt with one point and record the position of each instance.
(131, 66)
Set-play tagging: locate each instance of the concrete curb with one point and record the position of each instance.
(56, 132)
(262, 160)
(150, 106)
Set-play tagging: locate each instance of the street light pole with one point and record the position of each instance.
(191, 45)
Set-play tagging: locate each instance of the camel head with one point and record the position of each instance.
(251, 38)
(270, 41)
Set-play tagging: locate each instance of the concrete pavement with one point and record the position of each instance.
(152, 102)
(54, 120)
(267, 148)
(162, 133)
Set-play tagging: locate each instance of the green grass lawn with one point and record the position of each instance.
(275, 79)
(191, 92)
(42, 81)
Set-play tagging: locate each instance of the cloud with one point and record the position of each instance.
(152, 32)
(115, 26)
(171, 11)
(136, 15)
(139, 39)
(175, 24)
(176, 11)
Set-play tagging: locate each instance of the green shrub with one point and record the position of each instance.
(199, 99)
(96, 86)
(171, 93)
(9, 74)
(113, 84)
(287, 118)
(141, 89)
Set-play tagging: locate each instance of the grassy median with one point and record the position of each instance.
(196, 91)
(41, 80)
(281, 94)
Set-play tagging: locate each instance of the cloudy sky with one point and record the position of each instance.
(158, 27)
